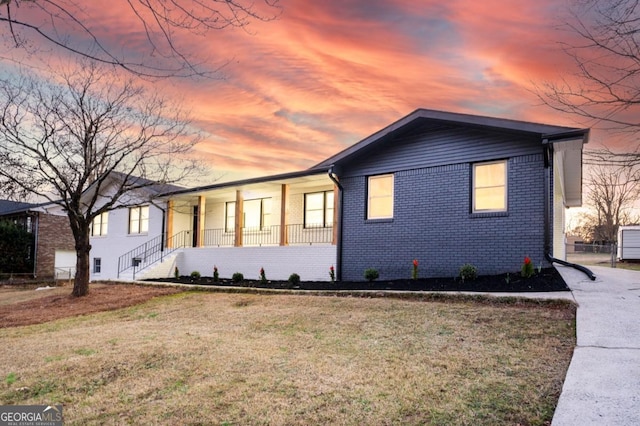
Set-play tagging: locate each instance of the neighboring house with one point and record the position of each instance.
(54, 248)
(443, 188)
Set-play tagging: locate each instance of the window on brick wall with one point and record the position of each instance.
(318, 209)
(97, 265)
(489, 187)
(380, 197)
(230, 217)
(139, 220)
(99, 224)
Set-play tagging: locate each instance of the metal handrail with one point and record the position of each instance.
(152, 251)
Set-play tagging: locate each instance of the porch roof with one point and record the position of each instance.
(309, 175)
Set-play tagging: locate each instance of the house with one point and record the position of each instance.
(443, 188)
(53, 250)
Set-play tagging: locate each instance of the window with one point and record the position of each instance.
(230, 217)
(97, 265)
(139, 220)
(490, 187)
(318, 209)
(257, 214)
(380, 197)
(99, 224)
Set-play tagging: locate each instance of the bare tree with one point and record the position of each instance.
(605, 48)
(67, 24)
(612, 191)
(88, 144)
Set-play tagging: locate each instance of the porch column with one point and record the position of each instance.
(336, 200)
(201, 214)
(239, 219)
(284, 216)
(169, 241)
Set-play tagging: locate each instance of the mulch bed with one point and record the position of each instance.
(547, 280)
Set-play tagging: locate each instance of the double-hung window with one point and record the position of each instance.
(380, 197)
(230, 217)
(97, 265)
(139, 220)
(318, 209)
(257, 214)
(100, 224)
(489, 187)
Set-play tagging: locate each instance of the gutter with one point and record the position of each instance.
(335, 180)
(547, 215)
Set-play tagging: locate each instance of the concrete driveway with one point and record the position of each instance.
(602, 386)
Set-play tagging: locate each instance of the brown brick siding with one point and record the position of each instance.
(54, 234)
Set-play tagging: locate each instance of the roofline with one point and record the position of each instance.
(453, 117)
(291, 175)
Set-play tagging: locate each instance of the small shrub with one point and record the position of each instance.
(195, 275)
(468, 272)
(294, 279)
(414, 271)
(332, 273)
(263, 276)
(527, 270)
(176, 272)
(216, 276)
(237, 277)
(371, 274)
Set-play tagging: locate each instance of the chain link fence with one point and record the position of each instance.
(593, 254)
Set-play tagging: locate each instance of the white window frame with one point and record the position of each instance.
(327, 210)
(97, 265)
(265, 215)
(136, 217)
(100, 225)
(371, 196)
(230, 226)
(474, 187)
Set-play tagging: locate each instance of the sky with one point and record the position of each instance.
(325, 74)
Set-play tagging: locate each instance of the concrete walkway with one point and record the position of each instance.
(602, 386)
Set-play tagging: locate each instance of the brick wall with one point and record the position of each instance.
(432, 223)
(53, 234)
(310, 262)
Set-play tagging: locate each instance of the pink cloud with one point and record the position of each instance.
(327, 74)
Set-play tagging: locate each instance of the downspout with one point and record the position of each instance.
(333, 177)
(547, 214)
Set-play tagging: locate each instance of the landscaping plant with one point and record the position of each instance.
(237, 277)
(263, 276)
(414, 271)
(294, 279)
(527, 270)
(468, 272)
(371, 274)
(216, 276)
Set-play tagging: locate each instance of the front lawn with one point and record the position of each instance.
(217, 358)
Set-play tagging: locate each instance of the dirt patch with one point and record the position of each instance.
(41, 306)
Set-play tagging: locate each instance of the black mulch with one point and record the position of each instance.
(547, 280)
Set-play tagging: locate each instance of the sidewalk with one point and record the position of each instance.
(602, 386)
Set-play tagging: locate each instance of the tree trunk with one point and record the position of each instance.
(83, 248)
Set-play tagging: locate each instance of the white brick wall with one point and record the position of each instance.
(310, 262)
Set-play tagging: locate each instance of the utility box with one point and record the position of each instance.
(629, 243)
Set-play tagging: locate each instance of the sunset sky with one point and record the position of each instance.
(327, 74)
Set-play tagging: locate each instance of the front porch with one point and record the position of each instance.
(284, 224)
